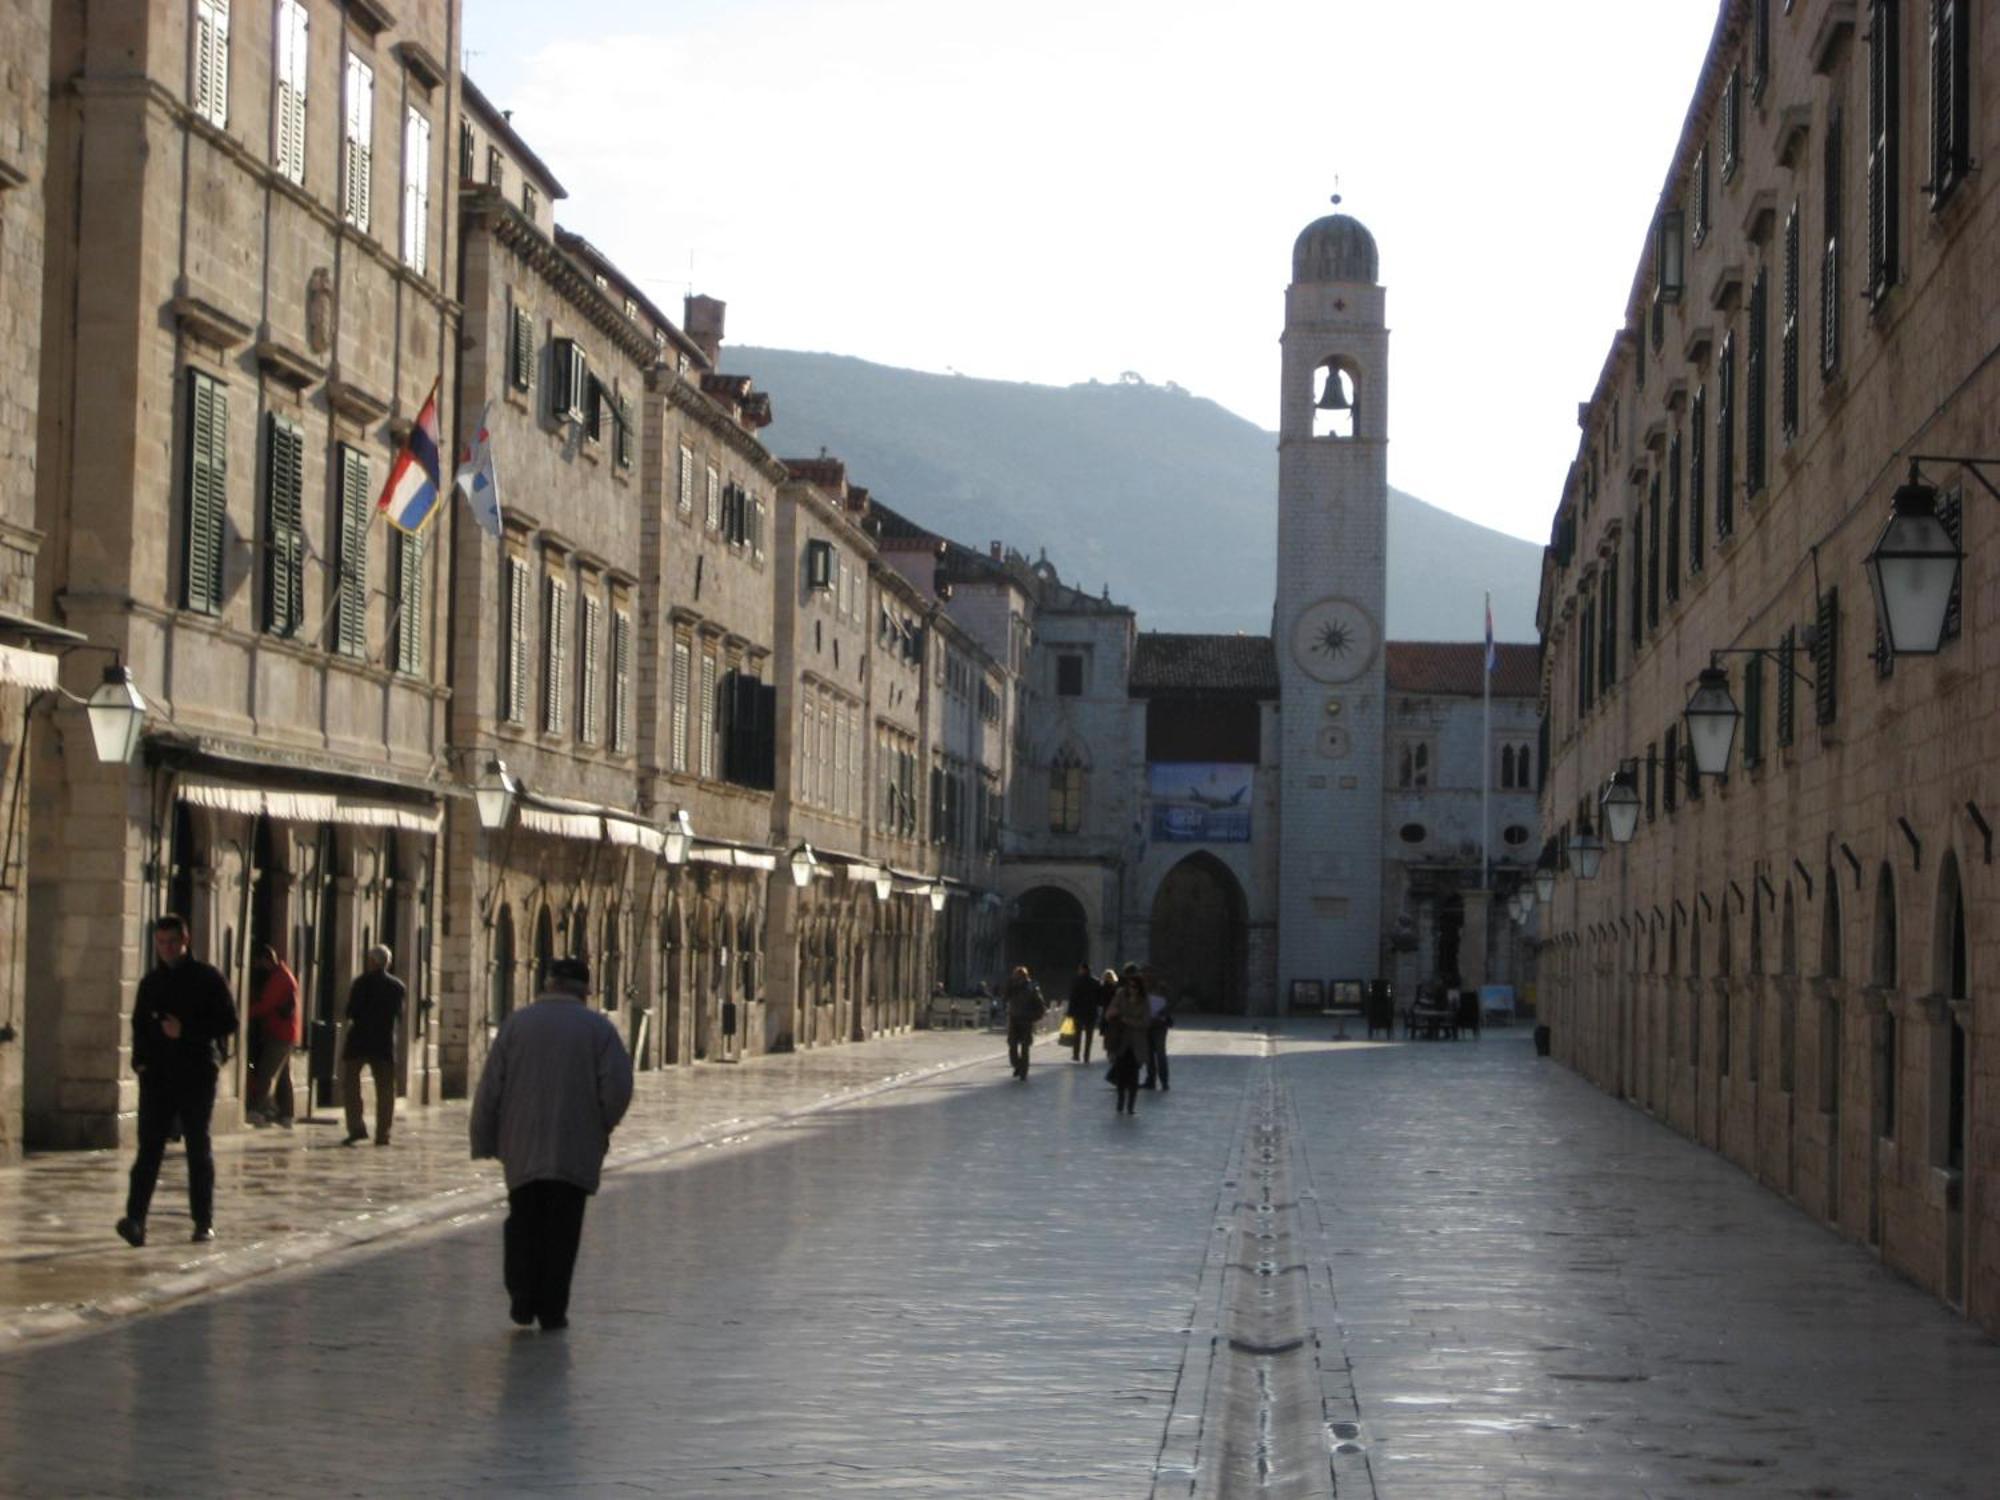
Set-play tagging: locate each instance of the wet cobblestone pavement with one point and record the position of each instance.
(961, 1285)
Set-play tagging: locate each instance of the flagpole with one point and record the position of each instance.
(1486, 761)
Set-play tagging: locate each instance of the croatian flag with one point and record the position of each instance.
(411, 495)
(1492, 657)
(476, 477)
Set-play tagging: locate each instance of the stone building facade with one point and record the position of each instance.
(248, 306)
(1785, 961)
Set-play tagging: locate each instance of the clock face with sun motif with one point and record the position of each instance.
(1334, 640)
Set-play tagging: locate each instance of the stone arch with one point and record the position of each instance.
(545, 942)
(1337, 395)
(1200, 930)
(500, 968)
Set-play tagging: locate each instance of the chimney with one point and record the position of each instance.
(993, 550)
(703, 318)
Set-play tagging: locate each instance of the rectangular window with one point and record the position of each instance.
(496, 168)
(621, 681)
(712, 516)
(708, 718)
(284, 526)
(205, 488)
(1883, 118)
(1638, 605)
(521, 361)
(211, 60)
(1652, 783)
(1697, 481)
(288, 116)
(1826, 658)
(1829, 265)
(1069, 675)
(416, 192)
(1753, 713)
(1725, 437)
(528, 199)
(1732, 124)
(1700, 184)
(1653, 555)
(591, 694)
(358, 145)
(351, 554)
(467, 152)
(1670, 768)
(1672, 550)
(410, 621)
(514, 685)
(1951, 96)
(1760, 47)
(1787, 691)
(622, 446)
(1608, 632)
(819, 564)
(1755, 431)
(686, 494)
(555, 654)
(683, 670)
(571, 369)
(1788, 336)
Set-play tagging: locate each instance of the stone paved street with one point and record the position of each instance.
(966, 1286)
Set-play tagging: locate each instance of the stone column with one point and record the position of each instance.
(1472, 939)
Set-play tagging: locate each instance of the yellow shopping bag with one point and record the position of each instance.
(1068, 1032)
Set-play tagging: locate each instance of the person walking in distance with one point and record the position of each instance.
(1025, 1006)
(374, 1012)
(1086, 1000)
(1159, 1019)
(274, 1032)
(1125, 1043)
(182, 1022)
(557, 1082)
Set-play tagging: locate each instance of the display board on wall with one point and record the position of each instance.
(1200, 802)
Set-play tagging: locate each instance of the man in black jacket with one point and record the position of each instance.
(182, 1025)
(374, 1011)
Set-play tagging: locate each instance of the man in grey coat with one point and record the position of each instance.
(557, 1082)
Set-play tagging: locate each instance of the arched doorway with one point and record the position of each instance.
(1051, 935)
(1197, 944)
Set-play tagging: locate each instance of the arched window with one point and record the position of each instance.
(1883, 974)
(1066, 773)
(1756, 931)
(1788, 936)
(1954, 980)
(1882, 969)
(1829, 928)
(500, 994)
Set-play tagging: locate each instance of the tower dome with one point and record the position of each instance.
(1335, 248)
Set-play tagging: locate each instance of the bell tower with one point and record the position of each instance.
(1326, 624)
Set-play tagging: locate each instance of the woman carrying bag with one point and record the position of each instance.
(1125, 1038)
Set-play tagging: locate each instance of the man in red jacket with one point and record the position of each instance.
(274, 1033)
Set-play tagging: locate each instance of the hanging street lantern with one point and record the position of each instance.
(884, 884)
(1545, 872)
(117, 716)
(680, 837)
(804, 861)
(1912, 571)
(937, 897)
(1621, 806)
(1586, 849)
(1712, 716)
(495, 794)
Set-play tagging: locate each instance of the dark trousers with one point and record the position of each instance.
(164, 1098)
(1156, 1054)
(1020, 1037)
(384, 1069)
(1079, 1046)
(271, 1079)
(544, 1227)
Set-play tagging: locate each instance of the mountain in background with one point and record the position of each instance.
(1164, 497)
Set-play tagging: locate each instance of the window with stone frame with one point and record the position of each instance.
(210, 91)
(1829, 265)
(1069, 674)
(288, 98)
(1413, 764)
(710, 720)
(1670, 554)
(1884, 147)
(204, 493)
(416, 190)
(353, 512)
(1788, 332)
(621, 681)
(358, 146)
(684, 496)
(1066, 778)
(1951, 97)
(683, 673)
(514, 659)
(590, 687)
(284, 526)
(412, 635)
(555, 655)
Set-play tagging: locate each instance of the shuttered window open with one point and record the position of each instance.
(1826, 658)
(358, 145)
(284, 526)
(205, 484)
(288, 116)
(1951, 96)
(410, 619)
(708, 719)
(1787, 675)
(571, 370)
(351, 516)
(521, 361)
(1883, 109)
(591, 692)
(416, 191)
(211, 60)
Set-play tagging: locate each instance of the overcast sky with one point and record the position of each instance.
(1061, 190)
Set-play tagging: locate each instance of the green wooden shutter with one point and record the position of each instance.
(517, 641)
(1697, 481)
(1829, 268)
(1754, 430)
(351, 621)
(555, 662)
(621, 681)
(1882, 110)
(523, 368)
(1753, 713)
(1826, 658)
(284, 537)
(410, 622)
(207, 489)
(1788, 356)
(1787, 688)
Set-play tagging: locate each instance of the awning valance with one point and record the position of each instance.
(725, 854)
(562, 825)
(304, 807)
(28, 669)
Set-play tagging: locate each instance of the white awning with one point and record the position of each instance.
(725, 854)
(304, 807)
(859, 871)
(625, 832)
(562, 825)
(28, 669)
